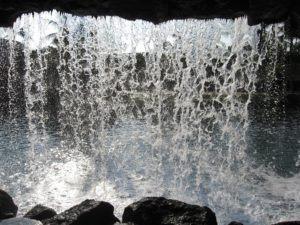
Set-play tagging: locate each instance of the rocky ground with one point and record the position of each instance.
(147, 211)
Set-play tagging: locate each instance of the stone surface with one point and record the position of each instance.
(161, 211)
(288, 223)
(89, 212)
(8, 208)
(268, 11)
(12, 52)
(156, 11)
(40, 212)
(4, 68)
(20, 221)
(235, 223)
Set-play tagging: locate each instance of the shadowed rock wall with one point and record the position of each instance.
(12, 72)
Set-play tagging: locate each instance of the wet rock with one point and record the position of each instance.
(235, 223)
(89, 212)
(40, 212)
(268, 11)
(8, 208)
(4, 68)
(20, 221)
(288, 223)
(162, 211)
(15, 55)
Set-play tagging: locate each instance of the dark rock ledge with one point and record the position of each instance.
(157, 11)
(147, 211)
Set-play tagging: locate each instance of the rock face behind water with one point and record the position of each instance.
(89, 212)
(161, 211)
(8, 208)
(11, 54)
(40, 212)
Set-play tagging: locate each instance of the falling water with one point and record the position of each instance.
(117, 110)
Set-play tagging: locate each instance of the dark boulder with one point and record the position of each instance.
(162, 211)
(8, 208)
(20, 221)
(288, 223)
(40, 212)
(89, 212)
(235, 223)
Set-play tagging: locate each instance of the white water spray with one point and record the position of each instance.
(141, 110)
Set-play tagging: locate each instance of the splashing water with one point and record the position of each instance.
(117, 110)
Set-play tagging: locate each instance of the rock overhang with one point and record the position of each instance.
(157, 11)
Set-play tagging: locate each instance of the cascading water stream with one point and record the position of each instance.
(117, 110)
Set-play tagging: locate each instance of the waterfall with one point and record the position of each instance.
(119, 109)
